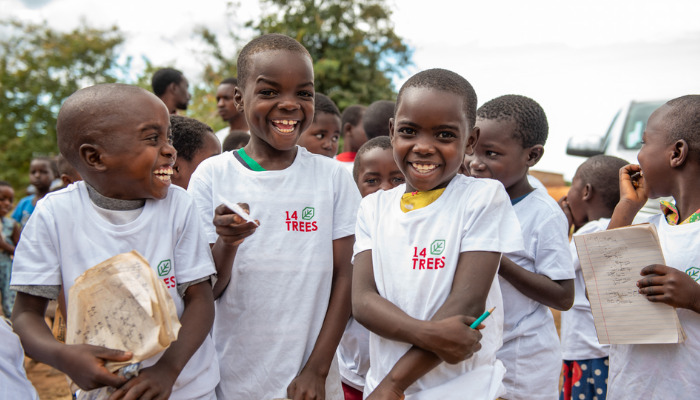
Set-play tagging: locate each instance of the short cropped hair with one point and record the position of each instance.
(324, 104)
(448, 81)
(229, 81)
(52, 164)
(64, 167)
(235, 140)
(5, 183)
(602, 172)
(352, 115)
(531, 125)
(188, 135)
(375, 121)
(163, 78)
(684, 121)
(269, 42)
(381, 142)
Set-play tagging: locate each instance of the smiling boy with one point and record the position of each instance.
(118, 139)
(427, 253)
(284, 286)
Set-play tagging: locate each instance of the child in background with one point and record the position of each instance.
(66, 172)
(375, 120)
(9, 231)
(375, 169)
(427, 254)
(284, 290)
(42, 171)
(13, 377)
(594, 192)
(353, 134)
(513, 133)
(669, 163)
(236, 140)
(195, 142)
(125, 202)
(323, 134)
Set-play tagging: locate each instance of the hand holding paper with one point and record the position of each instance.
(233, 223)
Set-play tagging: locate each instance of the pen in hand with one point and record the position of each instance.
(481, 319)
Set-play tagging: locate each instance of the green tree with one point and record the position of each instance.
(39, 68)
(355, 50)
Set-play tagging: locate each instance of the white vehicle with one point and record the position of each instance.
(623, 139)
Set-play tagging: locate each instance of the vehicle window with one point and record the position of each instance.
(637, 117)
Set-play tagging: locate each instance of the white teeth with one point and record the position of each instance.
(424, 168)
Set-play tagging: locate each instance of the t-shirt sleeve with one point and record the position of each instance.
(552, 253)
(490, 222)
(363, 238)
(200, 188)
(36, 260)
(346, 200)
(192, 252)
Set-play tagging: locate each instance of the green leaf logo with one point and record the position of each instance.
(437, 247)
(693, 272)
(307, 213)
(164, 268)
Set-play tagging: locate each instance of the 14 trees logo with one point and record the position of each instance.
(424, 258)
(305, 224)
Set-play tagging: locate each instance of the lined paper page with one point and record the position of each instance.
(611, 262)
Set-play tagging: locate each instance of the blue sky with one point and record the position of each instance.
(580, 60)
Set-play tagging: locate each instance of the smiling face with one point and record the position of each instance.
(499, 155)
(7, 196)
(278, 98)
(378, 170)
(138, 155)
(322, 136)
(654, 156)
(430, 135)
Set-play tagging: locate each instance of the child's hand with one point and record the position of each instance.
(564, 204)
(632, 186)
(230, 227)
(307, 386)
(155, 382)
(452, 339)
(671, 286)
(85, 365)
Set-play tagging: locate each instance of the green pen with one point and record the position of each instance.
(482, 318)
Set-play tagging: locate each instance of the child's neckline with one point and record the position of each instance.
(109, 203)
(247, 161)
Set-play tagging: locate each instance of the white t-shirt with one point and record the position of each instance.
(531, 351)
(579, 340)
(353, 355)
(415, 256)
(13, 379)
(270, 315)
(66, 236)
(663, 371)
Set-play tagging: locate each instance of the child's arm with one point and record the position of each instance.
(671, 286)
(232, 230)
(558, 294)
(9, 247)
(632, 198)
(311, 381)
(84, 364)
(446, 336)
(197, 318)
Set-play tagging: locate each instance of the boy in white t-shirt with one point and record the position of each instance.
(594, 192)
(513, 132)
(669, 163)
(427, 252)
(283, 292)
(118, 138)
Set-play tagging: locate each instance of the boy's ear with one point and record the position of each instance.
(680, 153)
(91, 155)
(391, 130)
(238, 99)
(176, 169)
(587, 192)
(534, 154)
(472, 140)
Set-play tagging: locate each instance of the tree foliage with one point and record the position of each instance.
(352, 43)
(39, 68)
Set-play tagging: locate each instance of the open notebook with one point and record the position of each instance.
(611, 262)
